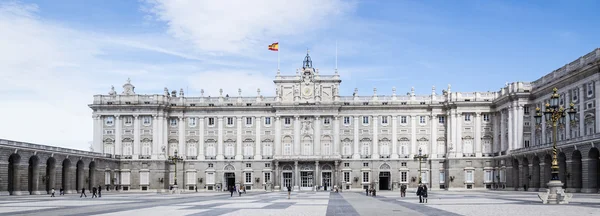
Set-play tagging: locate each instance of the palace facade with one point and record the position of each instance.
(309, 137)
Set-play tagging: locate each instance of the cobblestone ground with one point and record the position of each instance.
(301, 203)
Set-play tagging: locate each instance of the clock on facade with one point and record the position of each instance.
(307, 91)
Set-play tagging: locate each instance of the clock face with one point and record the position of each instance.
(307, 91)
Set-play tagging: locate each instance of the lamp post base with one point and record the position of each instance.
(555, 194)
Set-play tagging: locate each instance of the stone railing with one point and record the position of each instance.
(569, 68)
(307, 157)
(31, 146)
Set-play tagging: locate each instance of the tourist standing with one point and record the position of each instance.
(82, 193)
(420, 193)
(99, 191)
(367, 191)
(403, 190)
(52, 192)
(289, 191)
(61, 192)
(94, 191)
(424, 193)
(231, 189)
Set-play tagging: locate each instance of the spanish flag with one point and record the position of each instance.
(274, 46)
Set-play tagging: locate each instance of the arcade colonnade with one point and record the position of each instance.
(579, 169)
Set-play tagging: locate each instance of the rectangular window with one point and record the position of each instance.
(327, 121)
(249, 120)
(125, 177)
(403, 164)
(229, 121)
(442, 177)
(109, 120)
(347, 177)
(128, 120)
(424, 177)
(267, 177)
(365, 119)
(365, 164)
(402, 119)
(469, 176)
(422, 120)
(147, 120)
(287, 121)
(346, 120)
(211, 121)
(467, 117)
(192, 122)
(403, 177)
(190, 177)
(248, 165)
(346, 164)
(267, 120)
(526, 110)
(590, 89)
(486, 117)
(210, 178)
(384, 120)
(526, 143)
(267, 165)
(173, 122)
(442, 119)
(248, 179)
(488, 176)
(365, 177)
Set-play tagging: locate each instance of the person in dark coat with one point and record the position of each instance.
(424, 193)
(289, 191)
(82, 193)
(99, 191)
(420, 193)
(231, 189)
(367, 191)
(403, 191)
(94, 191)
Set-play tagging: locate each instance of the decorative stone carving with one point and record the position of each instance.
(128, 88)
(112, 90)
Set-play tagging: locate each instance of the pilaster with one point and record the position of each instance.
(503, 130)
(277, 143)
(356, 150)
(580, 112)
(508, 147)
(297, 135)
(478, 134)
(220, 138)
(459, 143)
(375, 152)
(118, 138)
(336, 135)
(433, 138)
(155, 137)
(413, 135)
(136, 136)
(201, 138)
(394, 137)
(238, 144)
(317, 137)
(258, 140)
(597, 99)
(181, 144)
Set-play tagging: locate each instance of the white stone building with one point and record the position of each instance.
(307, 135)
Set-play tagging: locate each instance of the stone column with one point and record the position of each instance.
(356, 151)
(238, 146)
(450, 138)
(201, 138)
(511, 117)
(317, 137)
(136, 136)
(118, 138)
(394, 137)
(165, 130)
(502, 130)
(296, 175)
(181, 145)
(478, 134)
(413, 136)
(568, 118)
(220, 138)
(597, 99)
(276, 180)
(569, 181)
(98, 144)
(588, 176)
(581, 97)
(278, 137)
(316, 179)
(258, 141)
(155, 138)
(297, 135)
(458, 134)
(543, 180)
(375, 153)
(336, 135)
(335, 173)
(433, 142)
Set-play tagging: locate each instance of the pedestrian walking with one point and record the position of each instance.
(99, 191)
(52, 192)
(420, 193)
(244, 188)
(94, 192)
(289, 191)
(231, 189)
(196, 187)
(367, 191)
(82, 193)
(403, 190)
(61, 192)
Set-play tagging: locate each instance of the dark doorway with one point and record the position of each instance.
(13, 174)
(384, 180)
(230, 179)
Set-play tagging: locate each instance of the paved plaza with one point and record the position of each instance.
(301, 203)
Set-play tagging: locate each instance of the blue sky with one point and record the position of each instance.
(57, 54)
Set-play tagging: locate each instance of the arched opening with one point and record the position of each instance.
(547, 170)
(576, 170)
(33, 174)
(515, 174)
(79, 176)
(92, 174)
(593, 170)
(13, 174)
(562, 169)
(535, 175)
(525, 175)
(66, 167)
(50, 174)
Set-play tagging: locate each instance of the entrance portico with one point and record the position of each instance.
(303, 174)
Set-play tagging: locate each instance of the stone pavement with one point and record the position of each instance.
(302, 203)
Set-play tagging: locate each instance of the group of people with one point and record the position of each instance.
(422, 193)
(96, 192)
(371, 191)
(236, 189)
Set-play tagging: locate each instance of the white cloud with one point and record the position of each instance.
(243, 26)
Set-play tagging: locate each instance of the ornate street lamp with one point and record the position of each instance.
(554, 115)
(174, 159)
(420, 156)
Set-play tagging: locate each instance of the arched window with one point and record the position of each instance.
(366, 147)
(192, 150)
(347, 143)
(307, 146)
(211, 148)
(267, 148)
(384, 149)
(229, 148)
(424, 145)
(287, 145)
(146, 147)
(326, 143)
(404, 146)
(467, 145)
(248, 148)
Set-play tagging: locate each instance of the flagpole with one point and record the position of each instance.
(278, 56)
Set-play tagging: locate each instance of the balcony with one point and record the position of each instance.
(191, 157)
(209, 157)
(144, 156)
